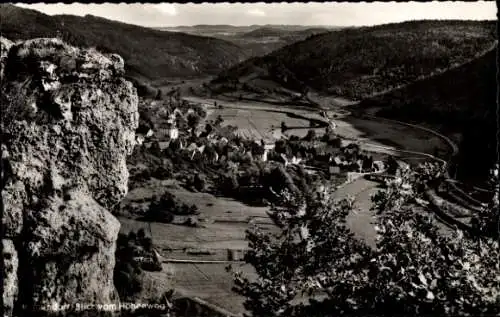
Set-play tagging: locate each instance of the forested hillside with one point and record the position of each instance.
(460, 100)
(356, 63)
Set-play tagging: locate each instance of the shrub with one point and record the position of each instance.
(128, 274)
(283, 127)
(162, 172)
(228, 184)
(310, 136)
(141, 234)
(158, 212)
(193, 120)
(200, 182)
(488, 220)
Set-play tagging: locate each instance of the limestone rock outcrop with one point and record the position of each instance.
(5, 45)
(68, 123)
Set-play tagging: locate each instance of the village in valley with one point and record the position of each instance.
(264, 170)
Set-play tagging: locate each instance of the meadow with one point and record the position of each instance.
(222, 226)
(222, 222)
(257, 124)
(210, 282)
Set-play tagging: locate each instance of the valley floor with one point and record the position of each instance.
(223, 221)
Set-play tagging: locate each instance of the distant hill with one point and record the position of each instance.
(287, 34)
(267, 39)
(358, 62)
(209, 30)
(265, 32)
(460, 100)
(149, 54)
(295, 28)
(203, 29)
(256, 40)
(455, 97)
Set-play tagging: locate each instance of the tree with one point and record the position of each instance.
(398, 192)
(145, 122)
(159, 95)
(177, 95)
(181, 122)
(127, 275)
(193, 120)
(161, 209)
(147, 243)
(155, 149)
(487, 221)
(229, 184)
(283, 126)
(141, 234)
(199, 182)
(280, 146)
(367, 163)
(310, 136)
(218, 121)
(193, 210)
(279, 179)
(257, 149)
(200, 111)
(208, 128)
(335, 142)
(413, 269)
(392, 165)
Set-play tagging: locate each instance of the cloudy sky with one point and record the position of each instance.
(334, 14)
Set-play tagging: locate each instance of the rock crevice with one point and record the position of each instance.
(68, 123)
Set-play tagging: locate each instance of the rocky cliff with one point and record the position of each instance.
(68, 123)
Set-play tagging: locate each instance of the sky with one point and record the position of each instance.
(319, 13)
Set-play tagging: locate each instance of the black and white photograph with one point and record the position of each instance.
(305, 159)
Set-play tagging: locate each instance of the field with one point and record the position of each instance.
(227, 231)
(210, 206)
(257, 124)
(222, 222)
(400, 136)
(210, 282)
(222, 227)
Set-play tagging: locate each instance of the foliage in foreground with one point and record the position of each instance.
(317, 267)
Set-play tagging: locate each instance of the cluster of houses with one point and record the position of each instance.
(211, 147)
(336, 159)
(168, 129)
